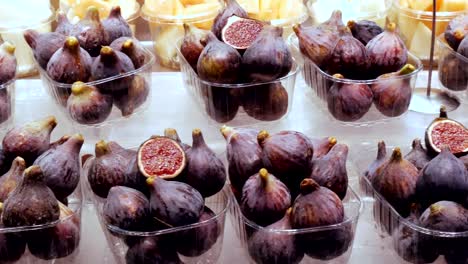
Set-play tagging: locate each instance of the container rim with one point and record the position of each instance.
(7, 84)
(171, 19)
(293, 40)
(427, 14)
(129, 19)
(444, 45)
(296, 68)
(350, 219)
(36, 24)
(363, 15)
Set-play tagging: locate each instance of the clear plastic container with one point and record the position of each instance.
(118, 239)
(244, 228)
(141, 76)
(453, 71)
(50, 248)
(7, 105)
(320, 83)
(221, 102)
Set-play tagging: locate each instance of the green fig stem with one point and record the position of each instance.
(396, 155)
(351, 23)
(172, 134)
(435, 209)
(101, 148)
(289, 212)
(108, 55)
(18, 164)
(93, 14)
(308, 186)
(9, 47)
(150, 181)
(186, 29)
(443, 112)
(128, 45)
(33, 173)
(79, 88)
(332, 141)
(407, 69)
(391, 27)
(197, 138)
(381, 150)
(459, 34)
(115, 12)
(226, 131)
(262, 136)
(77, 138)
(264, 177)
(72, 44)
(338, 76)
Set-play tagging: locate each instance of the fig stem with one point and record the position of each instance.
(172, 133)
(391, 27)
(33, 173)
(289, 211)
(435, 209)
(407, 69)
(115, 12)
(150, 181)
(381, 150)
(351, 23)
(338, 76)
(396, 155)
(416, 144)
(78, 88)
(9, 47)
(332, 141)
(308, 186)
(197, 138)
(443, 112)
(226, 131)
(264, 177)
(128, 45)
(101, 148)
(93, 13)
(72, 44)
(262, 136)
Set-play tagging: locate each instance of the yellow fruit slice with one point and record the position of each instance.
(421, 42)
(453, 5)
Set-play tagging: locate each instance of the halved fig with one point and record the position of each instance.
(240, 32)
(445, 131)
(162, 157)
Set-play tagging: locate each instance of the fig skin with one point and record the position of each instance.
(392, 97)
(43, 45)
(115, 25)
(348, 101)
(464, 159)
(380, 160)
(12, 247)
(174, 203)
(64, 26)
(5, 162)
(219, 62)
(330, 170)
(265, 199)
(30, 140)
(90, 32)
(396, 181)
(5, 105)
(58, 241)
(221, 104)
(7, 62)
(231, 8)
(197, 241)
(266, 102)
(463, 47)
(387, 51)
(445, 216)
(364, 30)
(453, 73)
(267, 246)
(244, 156)
(151, 250)
(126, 208)
(61, 166)
(322, 146)
(418, 155)
(443, 178)
(204, 171)
(192, 45)
(335, 22)
(456, 31)
(86, 105)
(70, 64)
(132, 48)
(31, 203)
(129, 100)
(12, 178)
(268, 58)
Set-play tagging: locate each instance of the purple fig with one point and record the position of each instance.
(381, 159)
(7, 62)
(43, 45)
(231, 8)
(418, 155)
(64, 26)
(322, 146)
(221, 103)
(445, 216)
(464, 159)
(456, 31)
(132, 48)
(86, 105)
(334, 22)
(5, 104)
(12, 245)
(192, 45)
(364, 30)
(129, 100)
(463, 47)
(151, 250)
(5, 162)
(265, 102)
(90, 32)
(453, 72)
(115, 25)
(11, 179)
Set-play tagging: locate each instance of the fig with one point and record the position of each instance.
(268, 57)
(456, 31)
(43, 45)
(443, 178)
(231, 8)
(70, 64)
(418, 155)
(64, 26)
(61, 166)
(112, 63)
(5, 105)
(7, 62)
(244, 156)
(12, 247)
(58, 241)
(396, 181)
(453, 73)
(287, 155)
(129, 100)
(322, 146)
(205, 171)
(348, 101)
(445, 216)
(31, 203)
(317, 43)
(380, 160)
(266, 102)
(335, 22)
(172, 133)
(192, 45)
(444, 131)
(162, 157)
(349, 57)
(463, 47)
(151, 250)
(265, 199)
(364, 30)
(387, 51)
(174, 203)
(392, 93)
(86, 105)
(90, 32)
(270, 245)
(110, 168)
(218, 62)
(115, 25)
(30, 140)
(196, 241)
(5, 162)
(221, 103)
(126, 208)
(240, 33)
(11, 179)
(132, 48)
(330, 170)
(464, 159)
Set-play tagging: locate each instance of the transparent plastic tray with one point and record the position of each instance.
(7, 104)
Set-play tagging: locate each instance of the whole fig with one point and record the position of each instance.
(453, 72)
(7, 62)
(64, 26)
(132, 48)
(322, 146)
(70, 64)
(61, 166)
(265, 199)
(12, 178)
(364, 30)
(418, 155)
(90, 32)
(205, 171)
(12, 246)
(381, 159)
(115, 25)
(266, 102)
(267, 245)
(231, 8)
(445, 216)
(192, 45)
(30, 140)
(334, 22)
(129, 100)
(31, 203)
(43, 45)
(221, 104)
(348, 101)
(456, 31)
(87, 105)
(151, 250)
